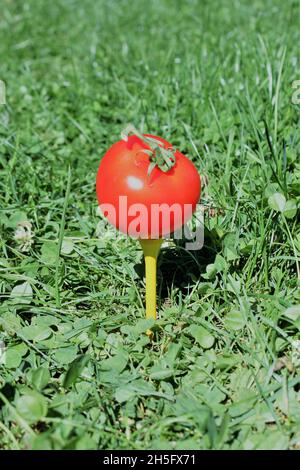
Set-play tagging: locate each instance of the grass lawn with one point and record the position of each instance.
(77, 372)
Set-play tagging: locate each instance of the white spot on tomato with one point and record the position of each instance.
(135, 183)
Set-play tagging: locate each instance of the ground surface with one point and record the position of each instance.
(222, 372)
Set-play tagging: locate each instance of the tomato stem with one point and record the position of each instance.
(161, 157)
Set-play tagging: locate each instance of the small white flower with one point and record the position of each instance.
(24, 236)
(296, 353)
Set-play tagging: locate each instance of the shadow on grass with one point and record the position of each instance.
(180, 269)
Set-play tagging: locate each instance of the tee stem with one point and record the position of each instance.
(151, 250)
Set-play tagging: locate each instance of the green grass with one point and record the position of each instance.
(215, 78)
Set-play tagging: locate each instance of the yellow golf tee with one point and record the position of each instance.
(151, 250)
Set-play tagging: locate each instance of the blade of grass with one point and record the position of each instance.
(60, 239)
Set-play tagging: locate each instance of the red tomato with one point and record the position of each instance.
(151, 206)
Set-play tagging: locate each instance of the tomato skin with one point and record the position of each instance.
(123, 171)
